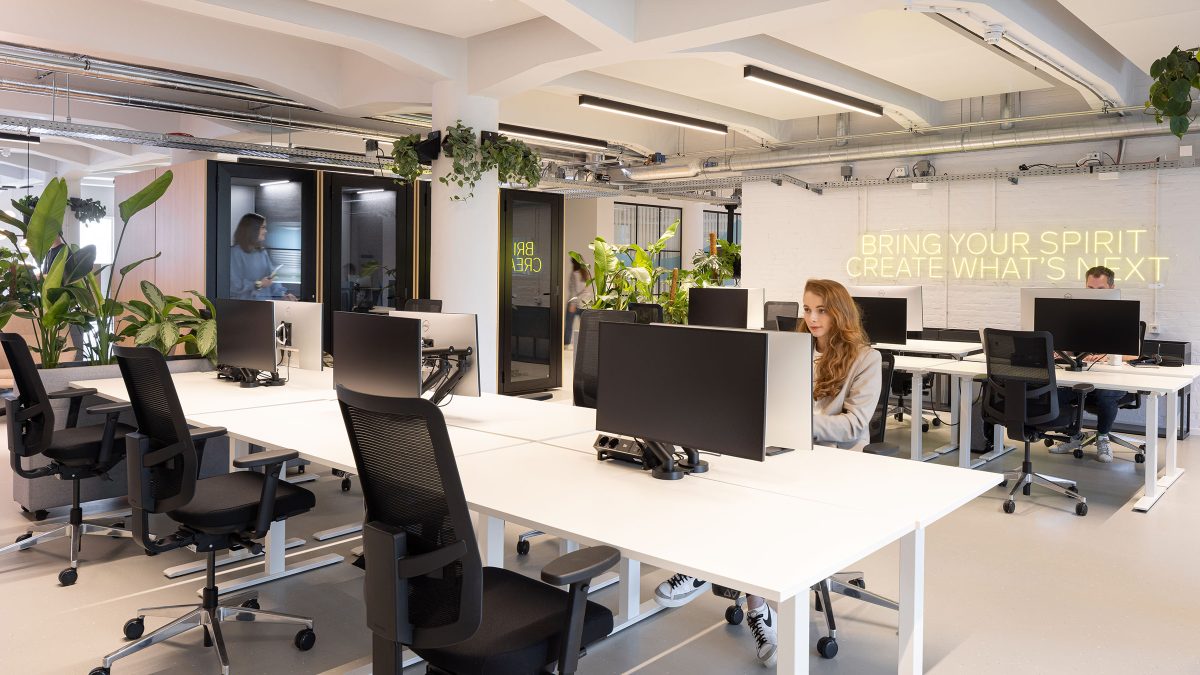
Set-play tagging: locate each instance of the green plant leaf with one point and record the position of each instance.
(133, 265)
(206, 337)
(1179, 126)
(145, 197)
(79, 264)
(45, 224)
(147, 334)
(153, 295)
(168, 335)
(9, 220)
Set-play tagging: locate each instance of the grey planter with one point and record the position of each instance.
(48, 493)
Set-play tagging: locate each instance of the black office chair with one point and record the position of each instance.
(223, 512)
(646, 312)
(586, 376)
(425, 587)
(878, 423)
(1021, 393)
(422, 305)
(773, 309)
(75, 452)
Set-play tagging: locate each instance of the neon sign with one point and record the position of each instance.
(524, 260)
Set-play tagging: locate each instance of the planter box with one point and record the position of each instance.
(47, 493)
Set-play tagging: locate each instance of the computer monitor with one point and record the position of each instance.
(443, 333)
(734, 392)
(1090, 326)
(884, 319)
(646, 312)
(916, 311)
(303, 333)
(1029, 295)
(246, 335)
(377, 354)
(789, 324)
(726, 307)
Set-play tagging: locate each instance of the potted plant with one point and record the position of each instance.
(166, 321)
(87, 210)
(462, 145)
(405, 160)
(626, 273)
(1171, 91)
(514, 161)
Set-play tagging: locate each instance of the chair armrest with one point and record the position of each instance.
(71, 393)
(261, 459)
(108, 408)
(579, 566)
(1083, 388)
(882, 448)
(199, 434)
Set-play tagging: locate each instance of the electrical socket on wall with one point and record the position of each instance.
(1185, 151)
(1152, 327)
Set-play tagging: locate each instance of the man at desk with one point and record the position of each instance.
(1104, 400)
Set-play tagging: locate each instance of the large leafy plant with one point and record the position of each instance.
(1171, 92)
(621, 274)
(165, 321)
(514, 161)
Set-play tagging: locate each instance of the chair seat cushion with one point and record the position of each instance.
(519, 631)
(81, 446)
(229, 503)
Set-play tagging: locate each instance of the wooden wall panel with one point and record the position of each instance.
(140, 240)
(180, 221)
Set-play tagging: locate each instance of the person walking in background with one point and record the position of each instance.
(577, 288)
(251, 275)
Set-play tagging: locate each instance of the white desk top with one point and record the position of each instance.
(955, 349)
(1131, 379)
(518, 417)
(203, 392)
(777, 551)
(917, 364)
(1187, 371)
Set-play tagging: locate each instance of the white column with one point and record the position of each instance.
(464, 267)
(691, 231)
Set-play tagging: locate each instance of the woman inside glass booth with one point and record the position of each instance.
(251, 274)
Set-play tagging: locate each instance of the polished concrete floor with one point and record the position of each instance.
(1038, 591)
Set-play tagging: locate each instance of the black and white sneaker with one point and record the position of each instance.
(679, 590)
(766, 636)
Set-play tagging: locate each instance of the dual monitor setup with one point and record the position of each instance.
(404, 354)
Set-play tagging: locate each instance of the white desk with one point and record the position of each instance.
(916, 367)
(518, 418)
(956, 350)
(203, 392)
(966, 372)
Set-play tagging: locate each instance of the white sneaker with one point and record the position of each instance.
(1063, 448)
(766, 636)
(1103, 451)
(679, 590)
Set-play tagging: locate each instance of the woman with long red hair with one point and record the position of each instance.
(847, 376)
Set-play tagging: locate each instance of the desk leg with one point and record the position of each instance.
(915, 421)
(490, 532)
(792, 649)
(1172, 472)
(966, 394)
(912, 602)
(1151, 492)
(999, 449)
(954, 402)
(630, 608)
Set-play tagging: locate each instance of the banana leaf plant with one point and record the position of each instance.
(621, 274)
(165, 321)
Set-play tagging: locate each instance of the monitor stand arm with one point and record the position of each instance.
(660, 459)
(452, 366)
(1075, 362)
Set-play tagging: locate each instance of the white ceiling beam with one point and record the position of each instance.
(906, 107)
(607, 24)
(756, 126)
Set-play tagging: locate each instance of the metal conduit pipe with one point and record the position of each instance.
(189, 109)
(79, 64)
(1100, 130)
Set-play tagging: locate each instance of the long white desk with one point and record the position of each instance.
(966, 372)
(953, 349)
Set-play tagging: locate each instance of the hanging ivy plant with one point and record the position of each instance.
(405, 162)
(462, 146)
(1171, 92)
(87, 210)
(515, 162)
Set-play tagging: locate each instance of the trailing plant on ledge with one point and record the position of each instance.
(515, 161)
(1171, 92)
(462, 145)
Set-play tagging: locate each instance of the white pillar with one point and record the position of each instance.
(691, 231)
(464, 267)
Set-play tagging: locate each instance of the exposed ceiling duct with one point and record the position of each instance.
(966, 141)
(89, 66)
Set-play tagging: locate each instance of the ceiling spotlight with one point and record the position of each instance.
(630, 110)
(762, 76)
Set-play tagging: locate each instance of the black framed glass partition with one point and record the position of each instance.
(531, 304)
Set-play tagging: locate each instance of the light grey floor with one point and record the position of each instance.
(1039, 591)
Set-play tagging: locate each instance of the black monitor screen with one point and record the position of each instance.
(693, 387)
(719, 307)
(884, 319)
(377, 354)
(646, 312)
(246, 333)
(1092, 326)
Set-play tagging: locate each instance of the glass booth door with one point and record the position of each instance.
(531, 306)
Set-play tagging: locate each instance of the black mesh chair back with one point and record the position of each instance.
(164, 478)
(646, 312)
(585, 380)
(773, 309)
(422, 305)
(410, 483)
(33, 434)
(1021, 389)
(878, 423)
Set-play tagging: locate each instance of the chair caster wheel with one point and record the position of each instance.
(1139, 458)
(23, 537)
(860, 582)
(899, 417)
(937, 422)
(134, 628)
(1048, 442)
(1027, 489)
(99, 671)
(68, 576)
(1081, 509)
(827, 647)
(1077, 453)
(924, 427)
(151, 554)
(40, 514)
(338, 472)
(523, 547)
(1004, 483)
(1010, 507)
(1073, 488)
(305, 639)
(734, 615)
(346, 484)
(252, 603)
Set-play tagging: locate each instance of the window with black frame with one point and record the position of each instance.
(716, 221)
(644, 225)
